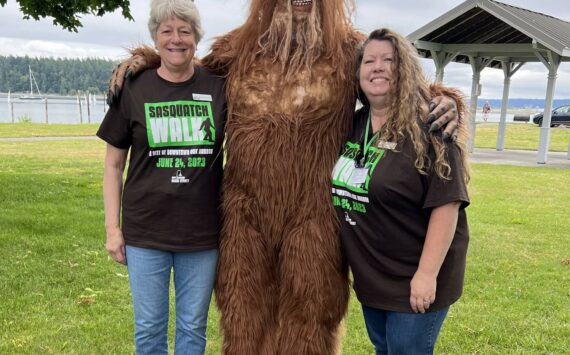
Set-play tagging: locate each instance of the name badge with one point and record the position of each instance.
(385, 145)
(202, 97)
(358, 176)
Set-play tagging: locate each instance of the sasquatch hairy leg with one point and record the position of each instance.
(246, 290)
(314, 289)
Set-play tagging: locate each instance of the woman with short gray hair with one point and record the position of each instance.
(172, 121)
(165, 9)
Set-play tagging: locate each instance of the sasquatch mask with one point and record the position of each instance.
(294, 37)
(296, 33)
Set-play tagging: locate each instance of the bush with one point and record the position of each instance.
(25, 119)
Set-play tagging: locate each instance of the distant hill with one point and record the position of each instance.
(55, 76)
(523, 103)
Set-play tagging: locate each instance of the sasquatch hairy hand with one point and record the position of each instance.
(447, 110)
(142, 58)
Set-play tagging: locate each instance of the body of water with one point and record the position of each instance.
(65, 109)
(60, 109)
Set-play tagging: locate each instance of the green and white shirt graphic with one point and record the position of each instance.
(347, 164)
(180, 123)
(348, 195)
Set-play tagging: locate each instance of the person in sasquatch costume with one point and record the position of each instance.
(282, 285)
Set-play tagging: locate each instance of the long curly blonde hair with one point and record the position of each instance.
(408, 108)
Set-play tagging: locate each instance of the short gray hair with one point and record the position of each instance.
(185, 10)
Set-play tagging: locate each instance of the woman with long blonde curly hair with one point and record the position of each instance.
(400, 193)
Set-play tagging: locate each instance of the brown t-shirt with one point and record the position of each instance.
(384, 219)
(171, 197)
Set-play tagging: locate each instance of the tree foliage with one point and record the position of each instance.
(67, 13)
(55, 76)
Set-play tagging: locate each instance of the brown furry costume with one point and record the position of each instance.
(282, 284)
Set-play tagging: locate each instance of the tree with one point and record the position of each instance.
(67, 13)
(54, 75)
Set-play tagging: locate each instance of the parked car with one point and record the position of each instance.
(560, 115)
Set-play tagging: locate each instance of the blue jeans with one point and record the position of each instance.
(149, 276)
(399, 333)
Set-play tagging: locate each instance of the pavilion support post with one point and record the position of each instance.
(546, 119)
(441, 59)
(439, 72)
(473, 107)
(552, 64)
(508, 70)
(477, 64)
(503, 118)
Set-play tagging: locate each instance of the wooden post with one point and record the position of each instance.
(12, 111)
(46, 109)
(88, 107)
(79, 108)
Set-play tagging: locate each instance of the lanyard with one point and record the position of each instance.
(366, 143)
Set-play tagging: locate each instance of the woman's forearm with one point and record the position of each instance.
(441, 230)
(115, 160)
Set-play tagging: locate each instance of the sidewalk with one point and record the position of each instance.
(520, 158)
(33, 139)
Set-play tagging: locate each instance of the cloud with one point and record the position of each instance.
(53, 49)
(406, 16)
(529, 81)
(108, 36)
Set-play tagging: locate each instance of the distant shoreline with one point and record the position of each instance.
(16, 95)
(514, 103)
(518, 103)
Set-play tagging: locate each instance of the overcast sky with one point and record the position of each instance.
(108, 36)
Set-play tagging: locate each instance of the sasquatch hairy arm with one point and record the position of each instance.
(142, 58)
(145, 57)
(447, 110)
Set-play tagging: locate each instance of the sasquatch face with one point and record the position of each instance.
(294, 36)
(302, 5)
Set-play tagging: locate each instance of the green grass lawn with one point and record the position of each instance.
(61, 294)
(521, 136)
(518, 136)
(12, 130)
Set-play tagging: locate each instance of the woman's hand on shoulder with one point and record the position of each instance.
(115, 245)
